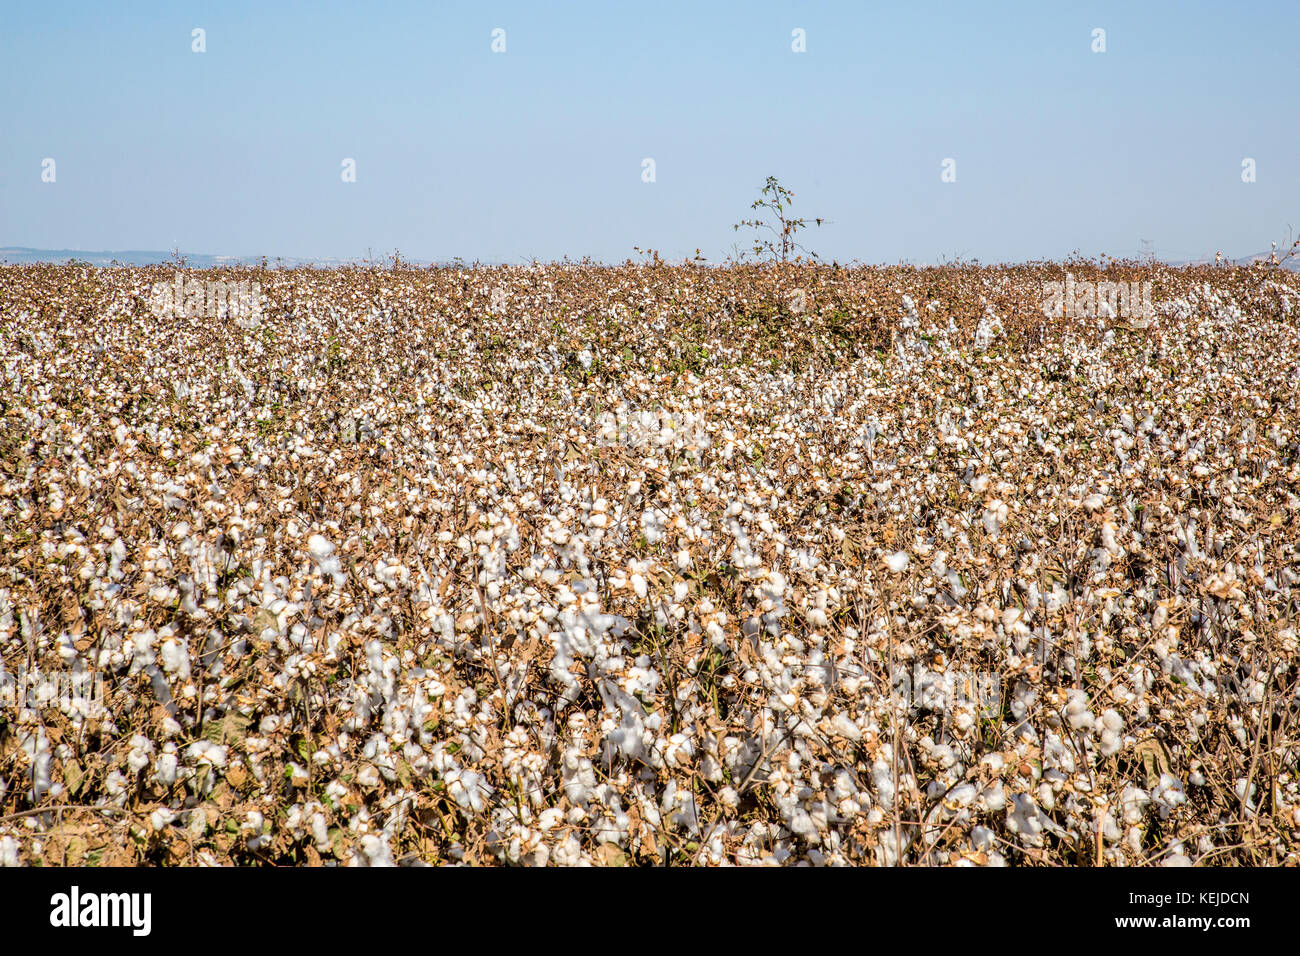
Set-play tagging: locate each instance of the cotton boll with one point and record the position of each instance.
(1111, 726)
(167, 769)
(1076, 711)
(376, 851)
(1133, 804)
(320, 830)
(1168, 795)
(569, 853)
(995, 516)
(139, 756)
(1026, 820)
(897, 562)
(550, 818)
(176, 659)
(322, 552)
(254, 826)
(368, 777)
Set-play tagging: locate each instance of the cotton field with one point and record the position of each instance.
(580, 565)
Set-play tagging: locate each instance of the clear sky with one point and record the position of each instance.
(538, 151)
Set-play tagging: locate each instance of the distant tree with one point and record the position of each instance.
(774, 204)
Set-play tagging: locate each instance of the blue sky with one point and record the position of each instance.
(537, 152)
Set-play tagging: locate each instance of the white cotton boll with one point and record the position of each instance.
(468, 789)
(1076, 711)
(138, 757)
(653, 525)
(140, 646)
(568, 853)
(1026, 820)
(1133, 803)
(995, 516)
(254, 825)
(1168, 795)
(1110, 828)
(204, 751)
(167, 769)
(882, 778)
(1110, 743)
(679, 751)
(989, 328)
(844, 726)
(1046, 796)
(322, 552)
(993, 797)
(1094, 502)
(586, 358)
(801, 823)
(549, 818)
(1108, 539)
(9, 852)
(962, 795)
(897, 562)
(1111, 725)
(376, 851)
(176, 658)
(320, 830)
(368, 777)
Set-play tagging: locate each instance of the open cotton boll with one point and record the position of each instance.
(897, 562)
(322, 552)
(139, 756)
(176, 659)
(375, 851)
(1168, 795)
(167, 769)
(1133, 804)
